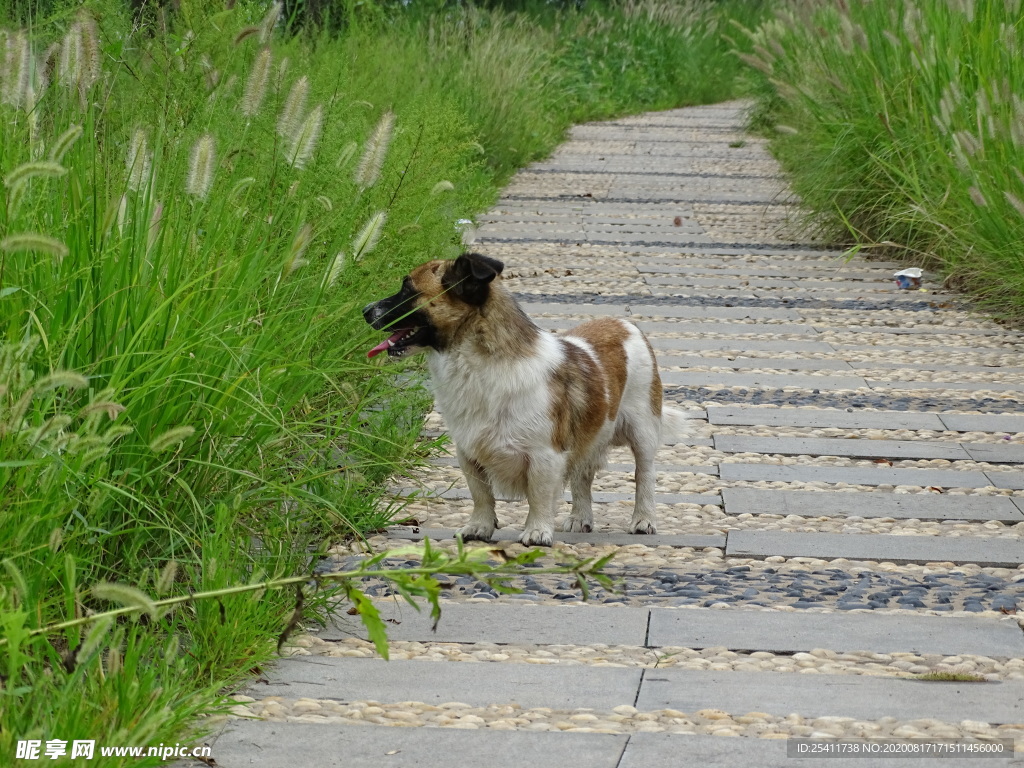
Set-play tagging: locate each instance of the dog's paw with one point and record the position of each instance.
(475, 532)
(643, 527)
(572, 525)
(536, 537)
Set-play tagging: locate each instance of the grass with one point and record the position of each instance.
(902, 131)
(193, 213)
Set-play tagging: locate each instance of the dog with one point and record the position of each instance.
(529, 410)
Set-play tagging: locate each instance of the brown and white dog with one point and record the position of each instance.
(528, 410)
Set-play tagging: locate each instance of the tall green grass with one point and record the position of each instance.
(903, 128)
(192, 215)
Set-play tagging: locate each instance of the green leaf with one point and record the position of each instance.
(13, 630)
(371, 620)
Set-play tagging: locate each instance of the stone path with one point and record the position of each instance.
(847, 514)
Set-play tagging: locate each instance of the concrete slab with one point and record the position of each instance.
(783, 632)
(619, 538)
(740, 363)
(529, 685)
(740, 345)
(767, 380)
(994, 552)
(730, 313)
(598, 310)
(727, 329)
(983, 422)
(953, 386)
(708, 268)
(504, 623)
(905, 506)
(1010, 480)
(254, 744)
(668, 750)
(793, 282)
(822, 446)
(993, 334)
(821, 417)
(996, 453)
(916, 366)
(601, 497)
(858, 696)
(790, 473)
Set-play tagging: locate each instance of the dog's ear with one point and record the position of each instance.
(469, 277)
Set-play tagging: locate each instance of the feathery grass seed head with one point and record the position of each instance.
(171, 438)
(303, 237)
(346, 155)
(368, 236)
(337, 267)
(16, 69)
(126, 596)
(62, 379)
(139, 160)
(256, 85)
(294, 106)
(266, 28)
(154, 226)
(201, 167)
(304, 142)
(442, 186)
(977, 197)
(376, 150)
(245, 33)
(240, 186)
(90, 49)
(26, 171)
(69, 65)
(33, 241)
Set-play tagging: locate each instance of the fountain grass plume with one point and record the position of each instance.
(16, 69)
(297, 250)
(305, 140)
(64, 142)
(36, 168)
(346, 155)
(201, 166)
(337, 267)
(256, 85)
(294, 106)
(138, 161)
(369, 235)
(368, 171)
(33, 242)
(266, 26)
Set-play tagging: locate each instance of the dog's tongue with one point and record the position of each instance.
(383, 346)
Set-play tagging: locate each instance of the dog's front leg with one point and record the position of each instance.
(545, 481)
(484, 519)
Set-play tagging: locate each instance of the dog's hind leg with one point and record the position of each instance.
(545, 481)
(484, 519)
(581, 481)
(644, 441)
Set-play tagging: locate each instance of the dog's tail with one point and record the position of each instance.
(675, 424)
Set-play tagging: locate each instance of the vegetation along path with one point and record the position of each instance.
(846, 515)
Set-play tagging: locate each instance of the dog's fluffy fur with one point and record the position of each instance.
(529, 411)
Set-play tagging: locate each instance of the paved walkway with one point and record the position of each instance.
(847, 514)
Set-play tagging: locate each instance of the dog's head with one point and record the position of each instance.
(435, 299)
